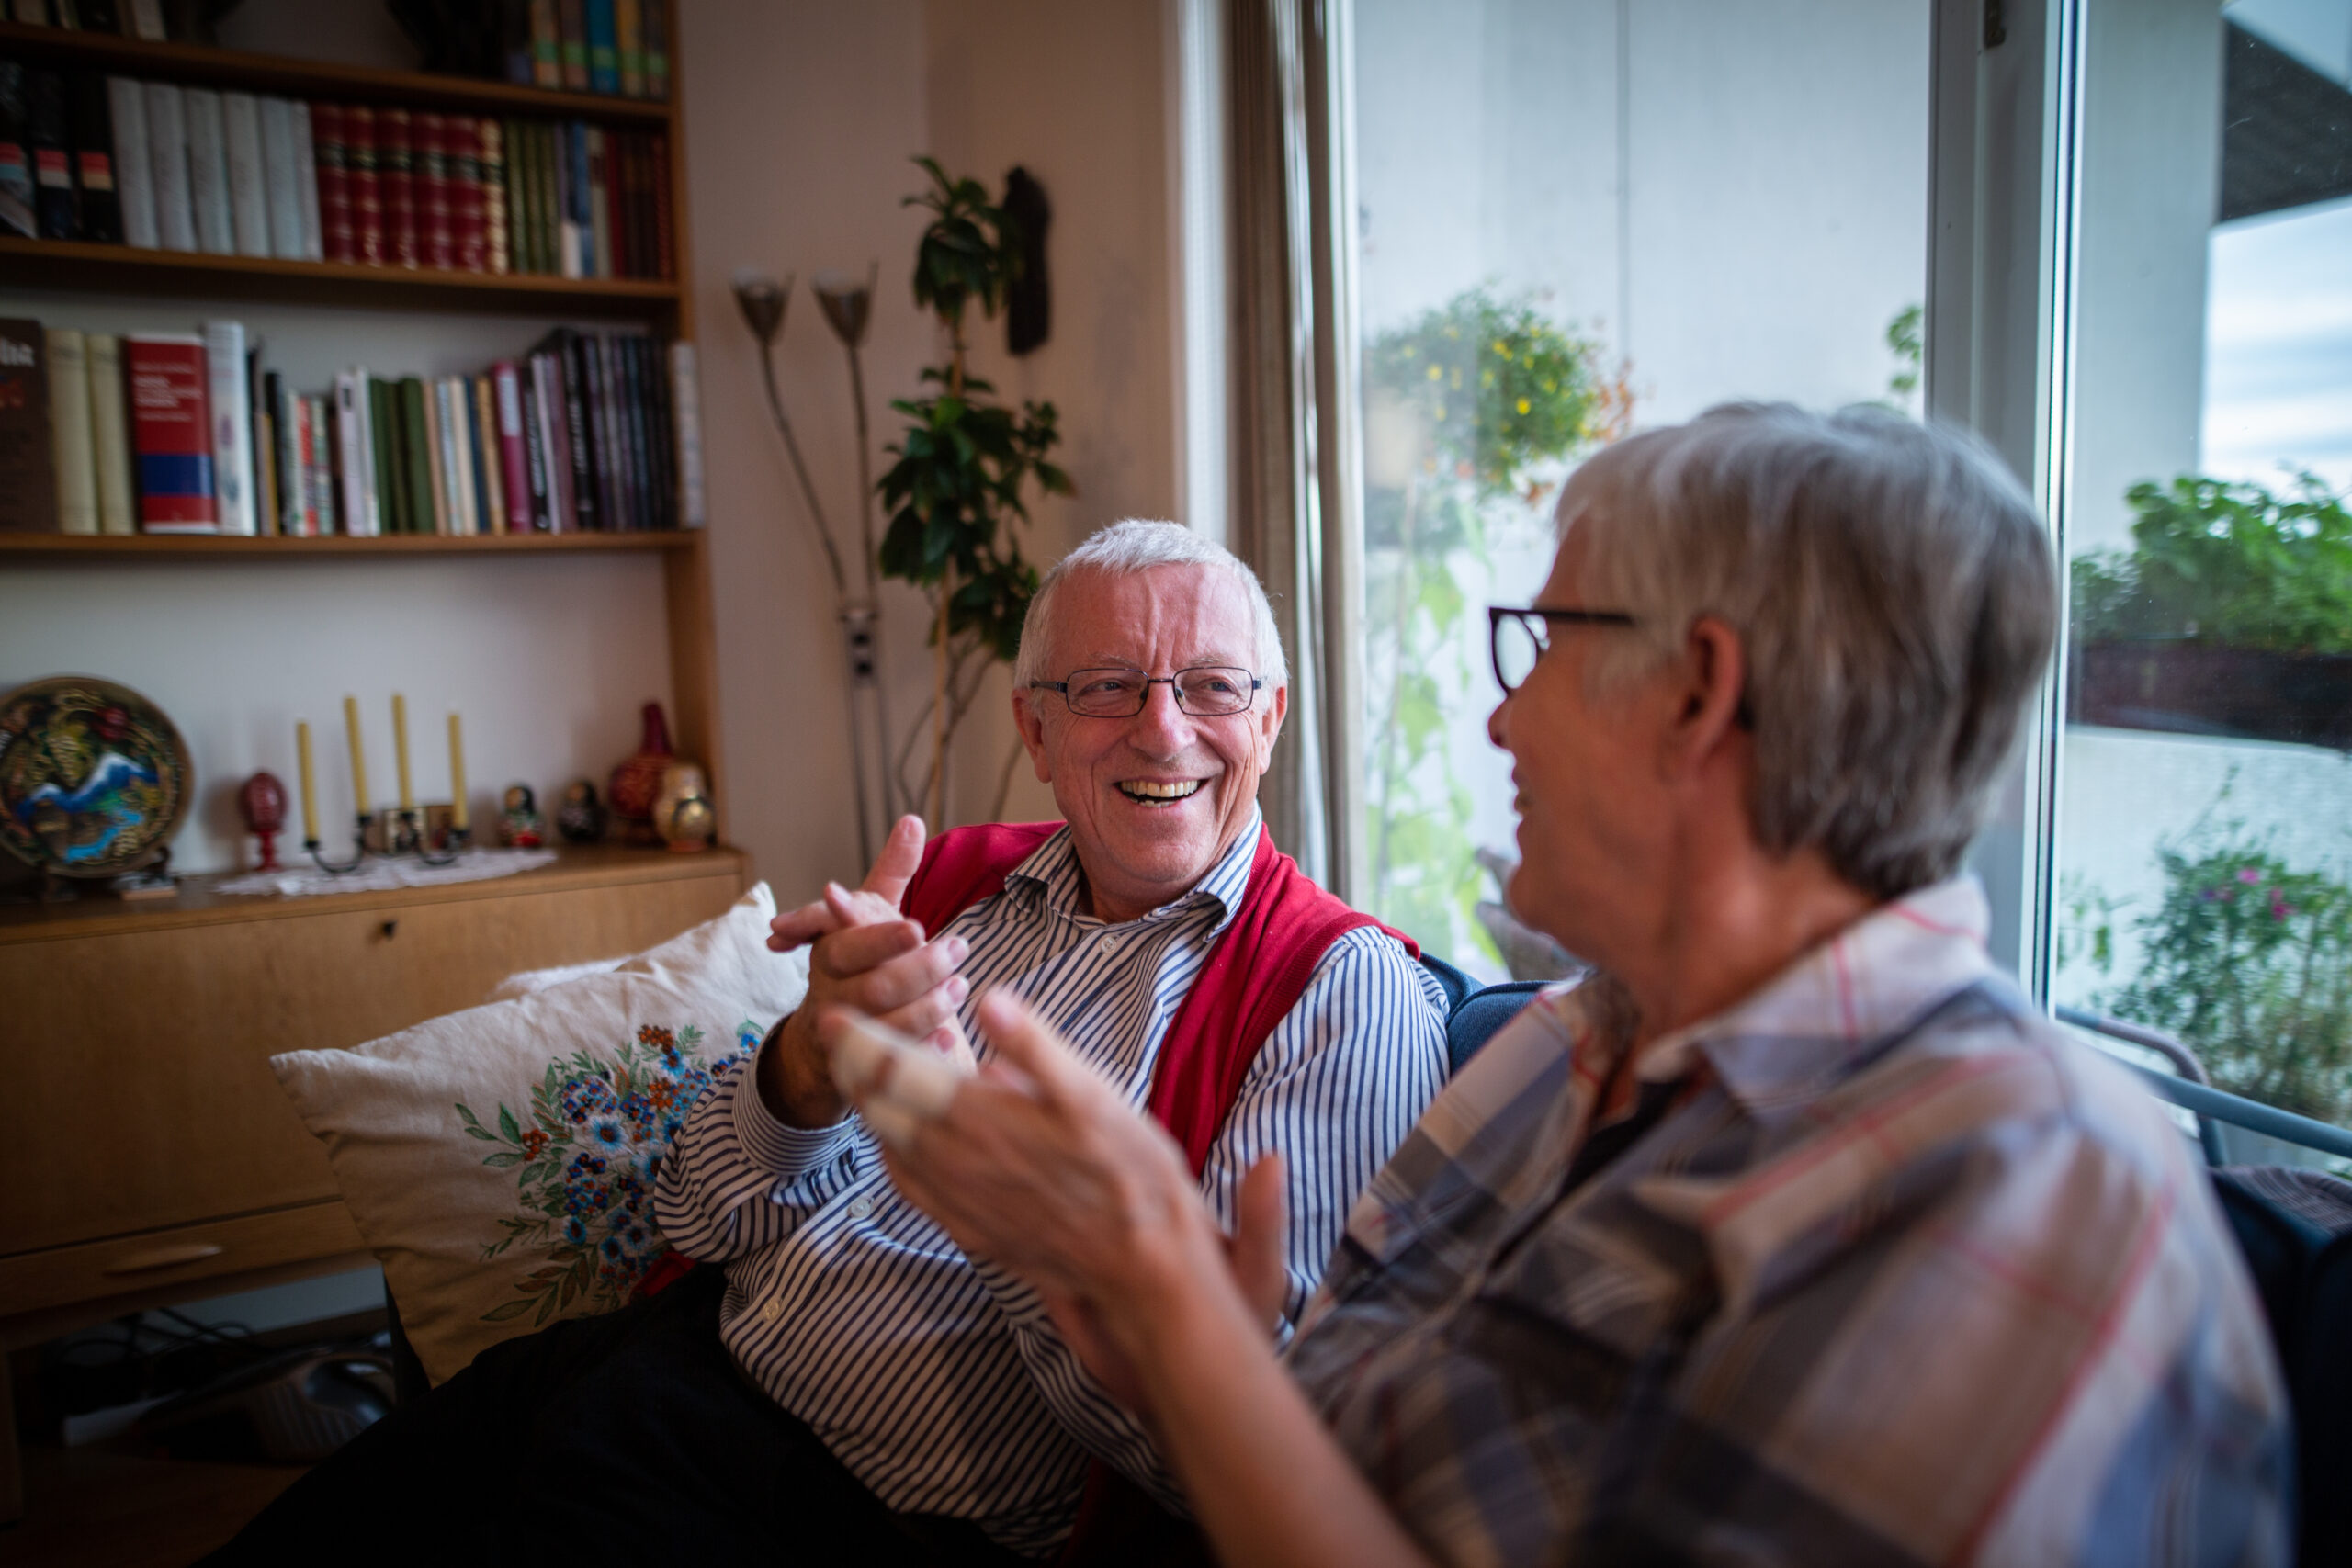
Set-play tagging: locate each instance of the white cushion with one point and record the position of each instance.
(500, 1161)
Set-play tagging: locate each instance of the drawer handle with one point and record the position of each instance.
(166, 1257)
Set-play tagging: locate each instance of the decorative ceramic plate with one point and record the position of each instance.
(93, 779)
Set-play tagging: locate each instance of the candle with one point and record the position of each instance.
(400, 750)
(458, 817)
(358, 759)
(309, 789)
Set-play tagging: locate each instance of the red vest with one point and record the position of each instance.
(1253, 978)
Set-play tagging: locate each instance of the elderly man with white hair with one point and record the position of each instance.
(1794, 1236)
(847, 1386)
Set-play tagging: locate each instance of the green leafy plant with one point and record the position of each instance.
(1472, 410)
(1905, 339)
(955, 491)
(2249, 961)
(2215, 561)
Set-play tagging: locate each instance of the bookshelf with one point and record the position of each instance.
(666, 307)
(279, 973)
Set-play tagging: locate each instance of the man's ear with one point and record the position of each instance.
(1033, 734)
(1711, 682)
(1269, 726)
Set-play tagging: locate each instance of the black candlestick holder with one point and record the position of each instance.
(358, 850)
(405, 836)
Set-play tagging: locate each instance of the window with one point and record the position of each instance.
(2200, 845)
(1576, 218)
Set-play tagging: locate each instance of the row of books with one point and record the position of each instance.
(587, 46)
(190, 434)
(150, 165)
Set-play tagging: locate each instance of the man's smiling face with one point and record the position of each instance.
(1155, 800)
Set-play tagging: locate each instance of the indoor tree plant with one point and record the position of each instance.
(955, 491)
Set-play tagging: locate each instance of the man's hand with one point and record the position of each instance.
(1039, 1165)
(866, 956)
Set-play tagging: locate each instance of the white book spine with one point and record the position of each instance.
(360, 514)
(207, 173)
(146, 19)
(458, 455)
(318, 505)
(167, 164)
(134, 181)
(248, 174)
(110, 436)
(685, 400)
(306, 181)
(69, 432)
(233, 436)
(279, 179)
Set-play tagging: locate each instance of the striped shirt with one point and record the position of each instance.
(941, 1384)
(1900, 1275)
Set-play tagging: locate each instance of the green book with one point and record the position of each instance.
(522, 222)
(383, 437)
(417, 452)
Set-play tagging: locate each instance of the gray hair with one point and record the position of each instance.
(1892, 590)
(1125, 547)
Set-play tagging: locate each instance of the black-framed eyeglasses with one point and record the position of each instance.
(1205, 691)
(1517, 638)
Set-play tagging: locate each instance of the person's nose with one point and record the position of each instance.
(1162, 729)
(1495, 723)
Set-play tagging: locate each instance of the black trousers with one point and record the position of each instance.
(630, 1436)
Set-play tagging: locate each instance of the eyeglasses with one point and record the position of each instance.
(1517, 638)
(1205, 691)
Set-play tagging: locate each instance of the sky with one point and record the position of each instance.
(2278, 346)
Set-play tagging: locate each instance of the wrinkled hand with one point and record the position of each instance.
(1039, 1166)
(864, 956)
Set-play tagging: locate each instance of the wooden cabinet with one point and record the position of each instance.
(149, 1152)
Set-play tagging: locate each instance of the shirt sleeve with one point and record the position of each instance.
(1338, 1085)
(732, 1151)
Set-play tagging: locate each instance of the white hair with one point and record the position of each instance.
(1893, 594)
(1133, 545)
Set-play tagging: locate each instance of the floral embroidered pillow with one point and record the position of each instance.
(501, 1161)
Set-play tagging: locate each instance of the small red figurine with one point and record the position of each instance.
(263, 801)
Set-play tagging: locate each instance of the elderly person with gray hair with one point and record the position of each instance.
(1795, 1233)
(846, 1386)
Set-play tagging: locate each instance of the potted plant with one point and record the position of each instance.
(2231, 615)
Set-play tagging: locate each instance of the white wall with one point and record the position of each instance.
(801, 118)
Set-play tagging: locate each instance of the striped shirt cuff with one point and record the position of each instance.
(785, 1151)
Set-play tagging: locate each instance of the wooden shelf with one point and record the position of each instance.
(189, 62)
(23, 917)
(83, 266)
(216, 547)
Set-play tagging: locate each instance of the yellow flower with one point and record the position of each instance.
(1524, 405)
(1437, 373)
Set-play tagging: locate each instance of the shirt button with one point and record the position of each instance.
(859, 1208)
(771, 1309)
(1110, 944)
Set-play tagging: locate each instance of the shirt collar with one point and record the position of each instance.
(1052, 871)
(1788, 1042)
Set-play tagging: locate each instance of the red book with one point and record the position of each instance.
(338, 236)
(396, 172)
(659, 158)
(361, 161)
(468, 203)
(171, 432)
(437, 222)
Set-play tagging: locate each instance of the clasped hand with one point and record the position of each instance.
(865, 954)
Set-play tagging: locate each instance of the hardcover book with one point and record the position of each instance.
(133, 179)
(436, 201)
(248, 181)
(207, 173)
(69, 430)
(91, 122)
(18, 203)
(27, 451)
(54, 201)
(110, 436)
(359, 159)
(357, 444)
(281, 179)
(396, 173)
(306, 181)
(167, 162)
(231, 412)
(171, 432)
(571, 18)
(338, 237)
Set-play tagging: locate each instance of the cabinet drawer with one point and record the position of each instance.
(32, 1281)
(140, 1061)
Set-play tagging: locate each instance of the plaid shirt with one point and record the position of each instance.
(1901, 1274)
